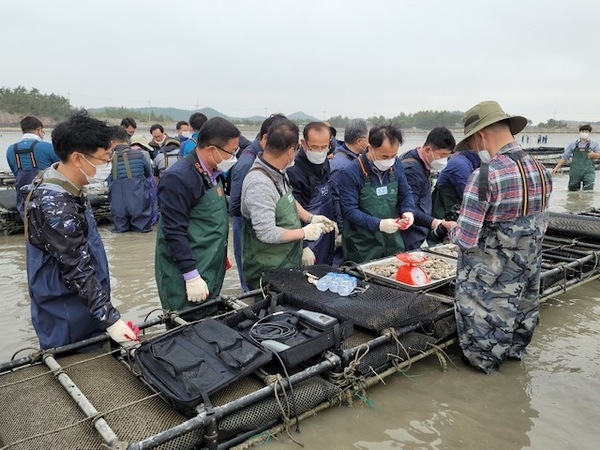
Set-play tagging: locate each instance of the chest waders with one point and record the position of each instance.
(207, 235)
(581, 171)
(258, 256)
(361, 245)
(320, 203)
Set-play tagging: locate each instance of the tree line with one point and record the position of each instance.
(21, 101)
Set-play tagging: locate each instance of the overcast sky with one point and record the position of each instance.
(538, 58)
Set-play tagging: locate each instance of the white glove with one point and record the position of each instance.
(330, 225)
(409, 217)
(308, 257)
(313, 231)
(122, 333)
(388, 226)
(197, 290)
(338, 240)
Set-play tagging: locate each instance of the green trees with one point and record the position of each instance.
(32, 103)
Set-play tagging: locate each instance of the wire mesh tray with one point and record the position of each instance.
(446, 250)
(369, 269)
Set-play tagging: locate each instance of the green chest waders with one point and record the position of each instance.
(361, 245)
(258, 256)
(581, 170)
(207, 234)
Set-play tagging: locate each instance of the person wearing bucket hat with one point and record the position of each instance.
(501, 224)
(582, 173)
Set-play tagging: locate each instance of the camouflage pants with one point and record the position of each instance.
(497, 291)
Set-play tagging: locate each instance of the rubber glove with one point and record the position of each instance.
(406, 221)
(313, 231)
(308, 257)
(330, 225)
(123, 333)
(197, 290)
(338, 240)
(389, 226)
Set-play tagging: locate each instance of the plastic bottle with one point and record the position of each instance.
(324, 283)
(334, 284)
(347, 286)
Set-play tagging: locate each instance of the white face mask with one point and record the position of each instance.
(584, 135)
(383, 164)
(186, 134)
(484, 156)
(316, 157)
(439, 164)
(226, 164)
(161, 142)
(102, 172)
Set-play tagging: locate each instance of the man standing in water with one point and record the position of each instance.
(67, 269)
(191, 243)
(501, 224)
(272, 230)
(584, 152)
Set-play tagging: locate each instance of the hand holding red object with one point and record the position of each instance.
(135, 331)
(227, 264)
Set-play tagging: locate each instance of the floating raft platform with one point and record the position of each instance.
(60, 399)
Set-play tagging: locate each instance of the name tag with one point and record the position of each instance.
(381, 190)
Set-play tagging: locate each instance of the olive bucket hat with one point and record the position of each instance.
(485, 114)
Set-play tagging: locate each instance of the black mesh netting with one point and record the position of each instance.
(574, 225)
(377, 308)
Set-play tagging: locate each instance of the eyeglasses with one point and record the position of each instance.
(110, 155)
(226, 151)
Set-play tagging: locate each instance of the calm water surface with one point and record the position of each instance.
(548, 401)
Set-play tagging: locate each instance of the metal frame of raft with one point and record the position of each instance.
(567, 262)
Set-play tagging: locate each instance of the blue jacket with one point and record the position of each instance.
(418, 176)
(351, 181)
(138, 164)
(342, 158)
(460, 167)
(188, 146)
(238, 173)
(43, 153)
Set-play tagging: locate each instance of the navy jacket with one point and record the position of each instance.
(459, 168)
(418, 176)
(238, 173)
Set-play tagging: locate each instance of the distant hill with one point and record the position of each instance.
(184, 114)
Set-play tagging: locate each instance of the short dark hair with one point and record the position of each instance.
(128, 122)
(157, 126)
(30, 123)
(269, 122)
(440, 137)
(217, 131)
(119, 134)
(80, 133)
(378, 134)
(586, 127)
(197, 120)
(315, 126)
(180, 124)
(281, 136)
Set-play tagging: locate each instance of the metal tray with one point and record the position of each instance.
(442, 250)
(366, 268)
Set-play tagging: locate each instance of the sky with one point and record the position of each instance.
(352, 58)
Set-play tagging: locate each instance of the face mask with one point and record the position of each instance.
(484, 156)
(292, 162)
(584, 135)
(161, 142)
(186, 134)
(226, 164)
(102, 172)
(439, 164)
(316, 157)
(384, 164)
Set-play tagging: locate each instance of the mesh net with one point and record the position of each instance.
(40, 405)
(377, 308)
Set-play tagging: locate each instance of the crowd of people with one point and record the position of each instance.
(295, 198)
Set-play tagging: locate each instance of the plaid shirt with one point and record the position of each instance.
(504, 201)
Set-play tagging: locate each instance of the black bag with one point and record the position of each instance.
(191, 363)
(311, 338)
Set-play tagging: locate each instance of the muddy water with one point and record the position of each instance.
(547, 401)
